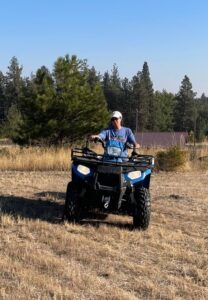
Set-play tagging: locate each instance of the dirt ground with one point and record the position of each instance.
(43, 258)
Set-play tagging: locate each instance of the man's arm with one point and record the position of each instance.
(131, 139)
(101, 136)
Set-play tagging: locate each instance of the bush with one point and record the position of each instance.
(171, 159)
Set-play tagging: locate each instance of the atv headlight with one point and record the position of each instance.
(134, 175)
(83, 169)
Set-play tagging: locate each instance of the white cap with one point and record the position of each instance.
(116, 114)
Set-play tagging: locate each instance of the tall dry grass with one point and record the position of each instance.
(34, 159)
(59, 159)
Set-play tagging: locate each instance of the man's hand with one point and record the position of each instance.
(137, 146)
(94, 137)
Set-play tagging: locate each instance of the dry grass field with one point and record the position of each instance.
(103, 258)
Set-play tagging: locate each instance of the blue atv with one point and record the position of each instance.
(109, 183)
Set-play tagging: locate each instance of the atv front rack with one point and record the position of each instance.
(88, 156)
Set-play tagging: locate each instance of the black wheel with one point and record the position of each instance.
(72, 209)
(141, 208)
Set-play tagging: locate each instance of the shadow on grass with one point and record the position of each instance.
(56, 195)
(97, 223)
(51, 210)
(97, 219)
(31, 208)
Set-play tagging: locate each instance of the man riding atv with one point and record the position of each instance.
(116, 137)
(112, 182)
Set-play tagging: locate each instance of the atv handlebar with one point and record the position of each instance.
(96, 140)
(134, 153)
(83, 155)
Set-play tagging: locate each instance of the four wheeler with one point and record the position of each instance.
(109, 183)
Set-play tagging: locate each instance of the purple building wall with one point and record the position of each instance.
(161, 139)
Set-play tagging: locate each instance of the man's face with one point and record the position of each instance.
(116, 122)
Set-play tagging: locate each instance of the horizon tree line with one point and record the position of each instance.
(73, 101)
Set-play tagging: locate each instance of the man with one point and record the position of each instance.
(116, 136)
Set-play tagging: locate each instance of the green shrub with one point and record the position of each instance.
(171, 159)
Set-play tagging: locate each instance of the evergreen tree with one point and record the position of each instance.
(12, 124)
(164, 110)
(127, 104)
(106, 85)
(143, 94)
(13, 84)
(34, 106)
(147, 97)
(37, 107)
(184, 114)
(140, 102)
(202, 118)
(80, 104)
(112, 89)
(93, 77)
(11, 90)
(2, 98)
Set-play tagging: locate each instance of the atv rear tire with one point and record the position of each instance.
(141, 208)
(72, 209)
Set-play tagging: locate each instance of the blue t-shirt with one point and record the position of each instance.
(119, 136)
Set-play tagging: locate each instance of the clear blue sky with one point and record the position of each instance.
(171, 35)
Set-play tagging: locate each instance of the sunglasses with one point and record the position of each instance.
(113, 119)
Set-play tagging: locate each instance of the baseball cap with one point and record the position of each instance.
(116, 114)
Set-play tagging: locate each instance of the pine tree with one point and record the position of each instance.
(202, 118)
(93, 77)
(11, 89)
(140, 100)
(2, 98)
(164, 110)
(127, 104)
(80, 104)
(36, 106)
(184, 114)
(13, 84)
(143, 94)
(147, 97)
(12, 124)
(112, 89)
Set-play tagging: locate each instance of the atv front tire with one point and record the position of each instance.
(72, 209)
(141, 208)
